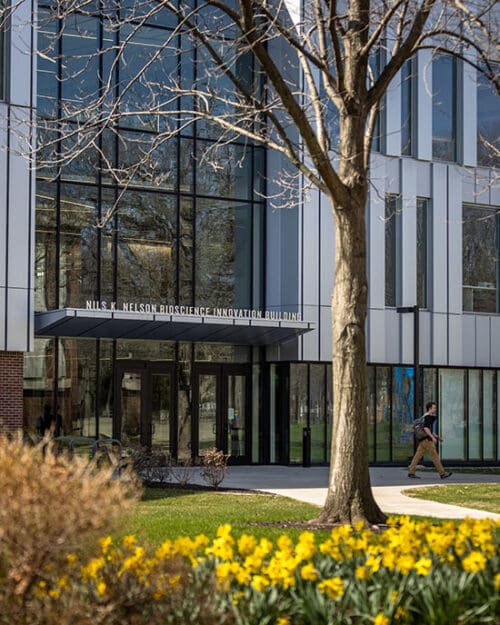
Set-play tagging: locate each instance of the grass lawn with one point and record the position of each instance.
(479, 496)
(167, 513)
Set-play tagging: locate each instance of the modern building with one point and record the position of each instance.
(199, 315)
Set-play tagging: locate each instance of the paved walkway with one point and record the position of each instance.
(310, 485)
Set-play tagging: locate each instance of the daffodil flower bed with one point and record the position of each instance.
(413, 572)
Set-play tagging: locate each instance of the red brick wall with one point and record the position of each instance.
(11, 391)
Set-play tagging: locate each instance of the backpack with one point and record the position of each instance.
(418, 429)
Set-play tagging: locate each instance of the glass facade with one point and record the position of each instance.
(468, 410)
(423, 220)
(481, 259)
(407, 106)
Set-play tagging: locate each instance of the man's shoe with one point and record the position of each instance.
(445, 475)
(413, 476)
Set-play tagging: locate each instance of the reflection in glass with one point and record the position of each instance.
(488, 415)
(130, 389)
(236, 415)
(160, 411)
(184, 402)
(223, 254)
(329, 410)
(104, 392)
(317, 412)
(488, 122)
(45, 247)
(298, 409)
(256, 412)
(207, 412)
(444, 96)
(451, 413)
(78, 246)
(39, 372)
(224, 171)
(474, 416)
(383, 448)
(146, 248)
(371, 411)
(403, 388)
(481, 259)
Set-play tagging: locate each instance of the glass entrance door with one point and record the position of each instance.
(221, 407)
(144, 405)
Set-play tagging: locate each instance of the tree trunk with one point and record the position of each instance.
(350, 498)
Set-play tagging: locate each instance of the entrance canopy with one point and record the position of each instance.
(117, 324)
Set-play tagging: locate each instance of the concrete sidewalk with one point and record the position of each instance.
(310, 485)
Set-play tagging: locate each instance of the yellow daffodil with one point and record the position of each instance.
(332, 587)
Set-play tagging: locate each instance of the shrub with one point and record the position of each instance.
(214, 467)
(182, 472)
(151, 465)
(49, 506)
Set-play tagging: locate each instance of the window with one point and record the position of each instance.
(481, 259)
(488, 122)
(422, 251)
(444, 89)
(391, 213)
(407, 96)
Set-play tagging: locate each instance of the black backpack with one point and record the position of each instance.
(418, 429)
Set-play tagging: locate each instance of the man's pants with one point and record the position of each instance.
(426, 447)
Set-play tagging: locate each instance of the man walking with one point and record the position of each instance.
(428, 444)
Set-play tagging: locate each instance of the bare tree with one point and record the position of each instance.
(306, 80)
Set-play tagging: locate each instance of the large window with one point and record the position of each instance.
(422, 251)
(488, 122)
(444, 97)
(481, 259)
(392, 205)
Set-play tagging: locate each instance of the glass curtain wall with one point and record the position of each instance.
(175, 230)
(468, 412)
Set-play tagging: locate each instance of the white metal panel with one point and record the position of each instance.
(469, 340)
(4, 156)
(21, 58)
(455, 219)
(3, 313)
(17, 320)
(392, 112)
(483, 342)
(327, 256)
(310, 343)
(19, 203)
(408, 233)
(425, 344)
(392, 334)
(424, 105)
(325, 347)
(392, 171)
(469, 115)
(494, 189)
(495, 341)
(311, 247)
(376, 235)
(439, 262)
(376, 336)
(468, 185)
(423, 178)
(439, 339)
(483, 182)
(455, 338)
(406, 331)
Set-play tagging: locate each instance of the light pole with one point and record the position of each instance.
(416, 354)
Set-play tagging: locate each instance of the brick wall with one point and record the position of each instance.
(11, 391)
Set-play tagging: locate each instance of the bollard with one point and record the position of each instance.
(306, 447)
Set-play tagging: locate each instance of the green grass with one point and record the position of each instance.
(478, 496)
(167, 513)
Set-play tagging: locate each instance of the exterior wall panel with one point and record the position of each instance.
(483, 341)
